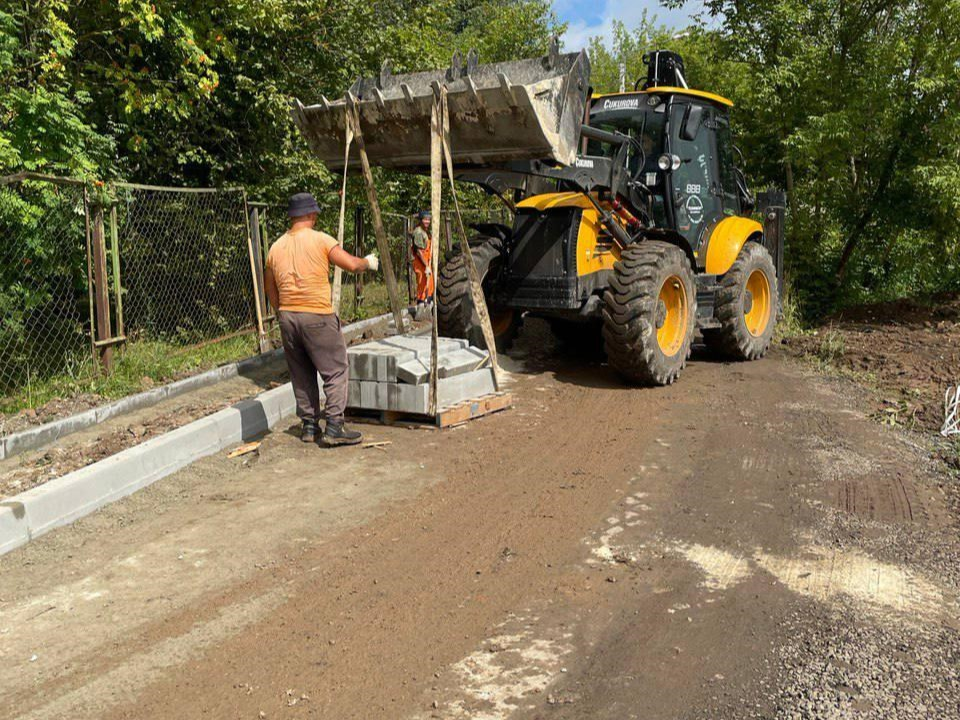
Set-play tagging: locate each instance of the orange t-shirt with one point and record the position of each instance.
(298, 265)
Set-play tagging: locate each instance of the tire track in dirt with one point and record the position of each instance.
(649, 542)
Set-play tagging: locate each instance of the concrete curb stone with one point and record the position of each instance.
(61, 501)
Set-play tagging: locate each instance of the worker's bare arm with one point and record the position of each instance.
(351, 263)
(270, 285)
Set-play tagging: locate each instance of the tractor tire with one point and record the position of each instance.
(455, 310)
(650, 313)
(746, 306)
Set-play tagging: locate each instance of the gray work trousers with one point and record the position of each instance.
(314, 344)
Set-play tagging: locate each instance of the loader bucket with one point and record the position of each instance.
(501, 112)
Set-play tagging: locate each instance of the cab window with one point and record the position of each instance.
(728, 177)
(643, 123)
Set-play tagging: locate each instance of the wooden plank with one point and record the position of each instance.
(337, 290)
(115, 257)
(476, 289)
(436, 188)
(383, 245)
(451, 416)
(256, 276)
(101, 294)
(471, 409)
(87, 209)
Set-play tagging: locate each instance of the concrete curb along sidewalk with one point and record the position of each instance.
(65, 499)
(48, 433)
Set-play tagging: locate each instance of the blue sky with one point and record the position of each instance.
(587, 18)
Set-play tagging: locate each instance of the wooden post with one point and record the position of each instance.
(256, 267)
(115, 256)
(476, 288)
(90, 285)
(256, 275)
(101, 292)
(358, 233)
(436, 181)
(408, 257)
(383, 245)
(337, 290)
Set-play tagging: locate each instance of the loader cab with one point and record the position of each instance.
(684, 155)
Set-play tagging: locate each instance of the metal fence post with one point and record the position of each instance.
(255, 250)
(101, 293)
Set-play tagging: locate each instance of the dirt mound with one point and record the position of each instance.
(910, 350)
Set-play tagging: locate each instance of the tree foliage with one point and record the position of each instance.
(197, 91)
(849, 106)
(852, 108)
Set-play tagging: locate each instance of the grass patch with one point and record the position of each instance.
(136, 367)
(832, 348)
(374, 301)
(144, 364)
(790, 323)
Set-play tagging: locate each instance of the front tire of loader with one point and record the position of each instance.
(455, 310)
(649, 314)
(746, 306)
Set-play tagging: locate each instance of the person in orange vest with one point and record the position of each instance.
(422, 251)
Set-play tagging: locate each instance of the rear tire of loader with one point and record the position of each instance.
(746, 306)
(649, 314)
(455, 310)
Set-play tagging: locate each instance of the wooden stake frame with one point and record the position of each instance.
(383, 245)
(440, 154)
(476, 288)
(337, 290)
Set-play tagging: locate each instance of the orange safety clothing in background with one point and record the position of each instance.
(425, 284)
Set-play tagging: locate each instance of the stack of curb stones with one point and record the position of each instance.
(394, 374)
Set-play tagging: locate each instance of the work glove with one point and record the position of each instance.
(373, 262)
(429, 271)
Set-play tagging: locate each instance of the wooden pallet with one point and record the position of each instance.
(447, 417)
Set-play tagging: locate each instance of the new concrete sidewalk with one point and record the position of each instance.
(65, 499)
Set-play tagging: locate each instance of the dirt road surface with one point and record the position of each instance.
(746, 543)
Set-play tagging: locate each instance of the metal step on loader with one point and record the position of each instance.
(632, 218)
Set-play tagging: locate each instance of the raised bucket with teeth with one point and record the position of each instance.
(500, 112)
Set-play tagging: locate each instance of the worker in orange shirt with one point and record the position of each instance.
(422, 251)
(296, 278)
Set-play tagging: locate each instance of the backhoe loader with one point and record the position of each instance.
(630, 211)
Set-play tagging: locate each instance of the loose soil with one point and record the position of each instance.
(28, 470)
(909, 350)
(745, 543)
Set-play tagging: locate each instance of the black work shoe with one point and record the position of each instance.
(337, 434)
(308, 431)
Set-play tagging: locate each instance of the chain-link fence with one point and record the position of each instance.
(184, 264)
(43, 283)
(105, 289)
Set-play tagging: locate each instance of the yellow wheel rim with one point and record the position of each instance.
(758, 316)
(671, 316)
